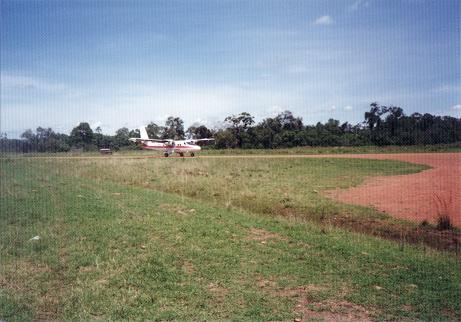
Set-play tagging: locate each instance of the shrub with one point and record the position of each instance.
(444, 223)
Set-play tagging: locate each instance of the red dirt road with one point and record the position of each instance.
(416, 197)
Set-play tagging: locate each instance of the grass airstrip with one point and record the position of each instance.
(208, 239)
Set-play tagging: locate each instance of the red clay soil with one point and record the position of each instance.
(416, 197)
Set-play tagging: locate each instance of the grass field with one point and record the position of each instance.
(209, 150)
(207, 239)
(456, 147)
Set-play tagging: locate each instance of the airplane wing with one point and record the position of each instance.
(200, 140)
(151, 140)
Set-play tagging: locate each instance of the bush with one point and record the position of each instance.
(444, 223)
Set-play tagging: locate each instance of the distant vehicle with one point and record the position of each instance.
(105, 151)
(168, 146)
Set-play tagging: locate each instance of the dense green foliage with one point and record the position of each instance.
(382, 126)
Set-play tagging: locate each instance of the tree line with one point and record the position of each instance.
(382, 125)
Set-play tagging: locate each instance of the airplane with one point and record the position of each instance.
(168, 146)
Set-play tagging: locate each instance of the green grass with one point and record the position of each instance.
(192, 240)
(267, 186)
(456, 147)
(209, 150)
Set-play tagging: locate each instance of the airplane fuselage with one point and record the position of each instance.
(180, 147)
(168, 146)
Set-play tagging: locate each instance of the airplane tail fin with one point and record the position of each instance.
(143, 133)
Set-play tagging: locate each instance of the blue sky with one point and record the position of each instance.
(126, 63)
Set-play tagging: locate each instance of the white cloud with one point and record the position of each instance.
(457, 107)
(199, 121)
(96, 124)
(348, 108)
(323, 21)
(19, 82)
(356, 5)
(275, 110)
(132, 105)
(14, 86)
(211, 123)
(447, 88)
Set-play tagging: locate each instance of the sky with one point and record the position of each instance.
(126, 63)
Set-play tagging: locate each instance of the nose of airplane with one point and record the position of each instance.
(198, 148)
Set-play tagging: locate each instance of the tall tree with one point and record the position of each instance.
(240, 124)
(134, 133)
(225, 139)
(121, 137)
(174, 128)
(199, 132)
(28, 135)
(154, 131)
(373, 117)
(289, 122)
(82, 136)
(266, 131)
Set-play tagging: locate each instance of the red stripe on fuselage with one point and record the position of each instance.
(150, 147)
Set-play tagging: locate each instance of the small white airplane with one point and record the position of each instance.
(168, 146)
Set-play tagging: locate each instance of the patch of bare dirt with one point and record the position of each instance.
(307, 308)
(23, 277)
(418, 197)
(300, 291)
(263, 236)
(181, 210)
(219, 292)
(188, 267)
(331, 311)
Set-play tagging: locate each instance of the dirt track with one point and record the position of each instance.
(417, 197)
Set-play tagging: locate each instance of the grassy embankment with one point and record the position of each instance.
(204, 239)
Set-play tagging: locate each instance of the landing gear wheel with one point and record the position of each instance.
(166, 154)
(181, 154)
(192, 154)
